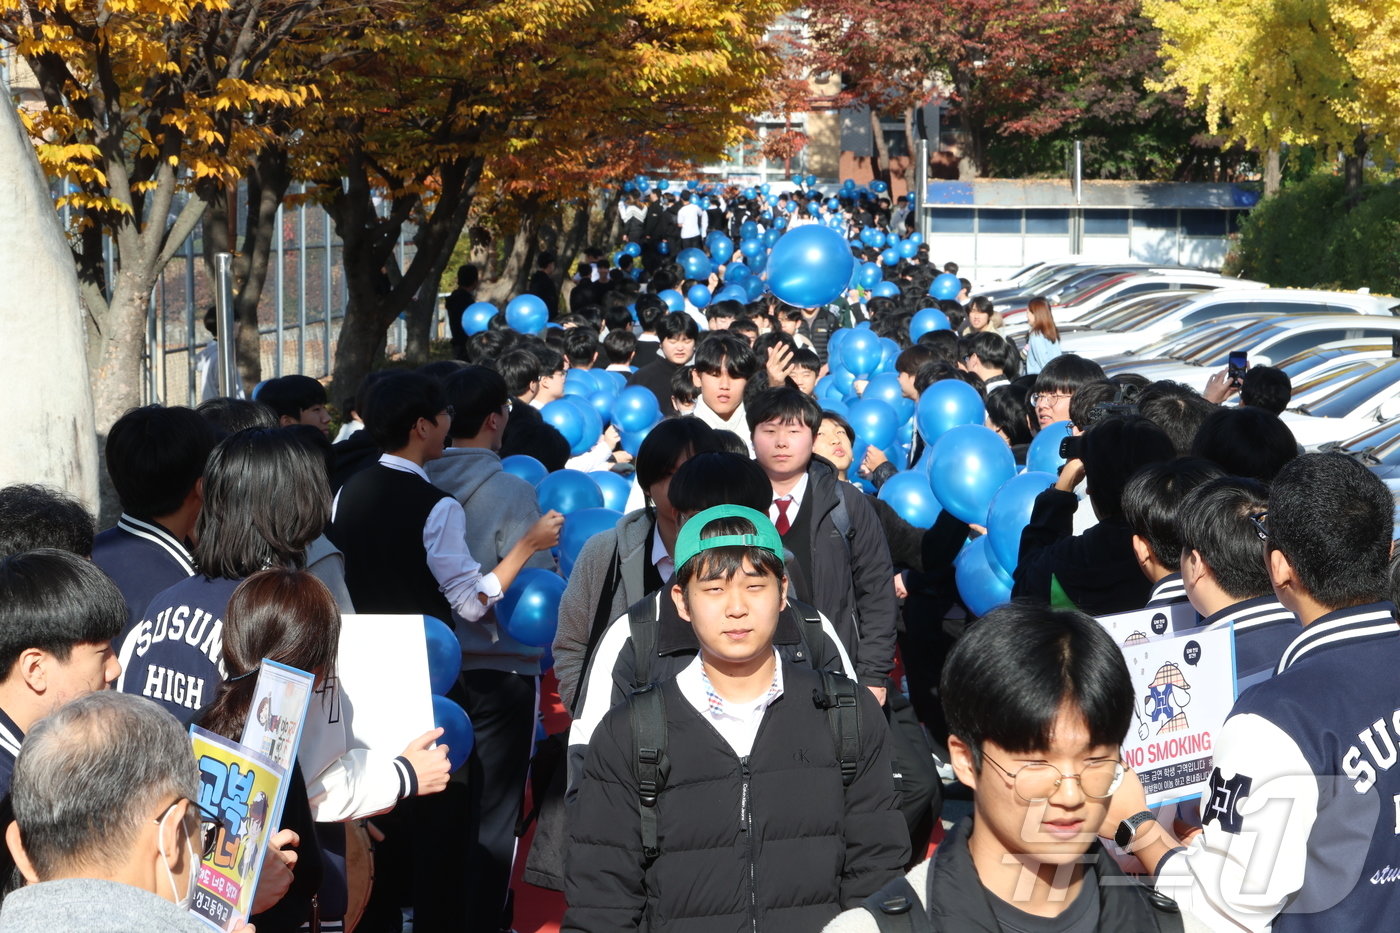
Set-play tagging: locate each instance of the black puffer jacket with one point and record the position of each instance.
(809, 849)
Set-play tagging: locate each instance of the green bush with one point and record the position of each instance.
(1364, 248)
(1284, 240)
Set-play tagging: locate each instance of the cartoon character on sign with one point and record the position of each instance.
(1167, 696)
(1132, 641)
(224, 791)
(252, 832)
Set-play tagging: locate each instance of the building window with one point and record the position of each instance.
(1106, 223)
(999, 221)
(1047, 222)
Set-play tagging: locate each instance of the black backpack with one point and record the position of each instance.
(897, 908)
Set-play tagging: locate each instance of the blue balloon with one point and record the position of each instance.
(889, 353)
(695, 263)
(664, 247)
(834, 342)
(886, 290)
(721, 248)
(675, 301)
(737, 272)
(889, 257)
(981, 583)
(610, 381)
(732, 293)
(1011, 512)
(842, 380)
(751, 247)
(810, 266)
(811, 180)
(836, 406)
(535, 615)
(565, 418)
(580, 382)
(635, 409)
(969, 463)
(602, 402)
(848, 183)
(749, 194)
(758, 261)
(945, 405)
(524, 466)
(917, 239)
(755, 287)
(885, 387)
(444, 654)
(663, 184)
(926, 320)
(632, 440)
(591, 423)
(869, 275)
(578, 528)
(748, 229)
(945, 287)
(477, 317)
(457, 732)
(874, 421)
(1043, 456)
(770, 237)
(908, 493)
(526, 314)
(616, 489)
(872, 237)
(698, 295)
(879, 187)
(860, 353)
(908, 249)
(568, 491)
(633, 249)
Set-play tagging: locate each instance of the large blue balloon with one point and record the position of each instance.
(721, 248)
(752, 247)
(755, 287)
(695, 263)
(946, 404)
(580, 382)
(769, 237)
(908, 493)
(969, 463)
(1043, 456)
(907, 249)
(535, 615)
(869, 275)
(591, 424)
(602, 402)
(748, 229)
(1011, 512)
(889, 354)
(635, 409)
(732, 293)
(981, 583)
(886, 290)
(566, 419)
(633, 249)
(444, 654)
(873, 421)
(810, 266)
(945, 287)
(860, 353)
(885, 387)
(889, 257)
(699, 296)
(524, 466)
(737, 273)
(926, 320)
(578, 528)
(675, 301)
(457, 732)
(616, 489)
(527, 313)
(568, 491)
(477, 317)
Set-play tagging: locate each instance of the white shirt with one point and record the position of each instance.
(661, 559)
(458, 574)
(737, 422)
(692, 220)
(737, 723)
(796, 495)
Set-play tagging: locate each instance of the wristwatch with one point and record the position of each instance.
(1129, 827)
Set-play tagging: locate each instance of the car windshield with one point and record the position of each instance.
(1315, 356)
(1346, 398)
(1206, 350)
(1170, 342)
(1320, 385)
(1377, 442)
(1129, 316)
(1086, 290)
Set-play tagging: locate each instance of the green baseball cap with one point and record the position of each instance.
(689, 543)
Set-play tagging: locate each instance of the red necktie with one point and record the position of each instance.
(782, 524)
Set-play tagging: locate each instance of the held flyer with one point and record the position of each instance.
(276, 718)
(238, 788)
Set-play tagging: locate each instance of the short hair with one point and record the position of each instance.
(1153, 496)
(441, 370)
(724, 562)
(519, 368)
(545, 259)
(1007, 679)
(54, 600)
(1176, 409)
(266, 497)
(581, 346)
(1332, 518)
(745, 327)
(719, 478)
(551, 360)
(677, 324)
(91, 774)
(995, 351)
(944, 344)
(683, 387)
(1245, 441)
(289, 396)
(727, 308)
(34, 517)
(669, 443)
(231, 415)
(467, 275)
(619, 346)
(841, 423)
(726, 441)
(475, 393)
(1066, 373)
(1084, 410)
(1213, 520)
(1267, 388)
(155, 455)
(395, 404)
(911, 358)
(935, 371)
(1114, 450)
(806, 358)
(650, 310)
(724, 350)
(1006, 408)
(786, 405)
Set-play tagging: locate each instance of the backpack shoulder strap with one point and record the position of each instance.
(809, 629)
(602, 615)
(838, 698)
(647, 711)
(642, 621)
(897, 909)
(841, 518)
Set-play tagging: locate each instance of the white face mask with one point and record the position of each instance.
(182, 902)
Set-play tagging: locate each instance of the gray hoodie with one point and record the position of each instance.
(500, 508)
(87, 905)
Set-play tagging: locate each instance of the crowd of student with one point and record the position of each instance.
(769, 673)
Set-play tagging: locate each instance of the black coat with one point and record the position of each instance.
(1096, 570)
(808, 849)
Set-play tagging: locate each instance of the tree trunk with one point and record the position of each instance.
(1273, 173)
(520, 260)
(268, 181)
(577, 237)
(879, 151)
(1354, 167)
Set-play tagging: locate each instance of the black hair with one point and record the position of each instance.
(1006, 408)
(581, 346)
(1153, 496)
(806, 358)
(616, 317)
(619, 346)
(677, 324)
(33, 517)
(934, 371)
(55, 600)
(724, 562)
(995, 352)
(395, 404)
(910, 359)
(721, 349)
(519, 368)
(650, 310)
(944, 344)
(669, 443)
(719, 478)
(1114, 450)
(467, 276)
(1176, 409)
(786, 405)
(1267, 388)
(492, 343)
(1007, 680)
(441, 370)
(1245, 441)
(475, 393)
(1066, 373)
(1084, 411)
(683, 387)
(155, 455)
(1213, 520)
(289, 396)
(361, 392)
(231, 415)
(545, 258)
(1333, 518)
(841, 423)
(744, 327)
(266, 497)
(727, 308)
